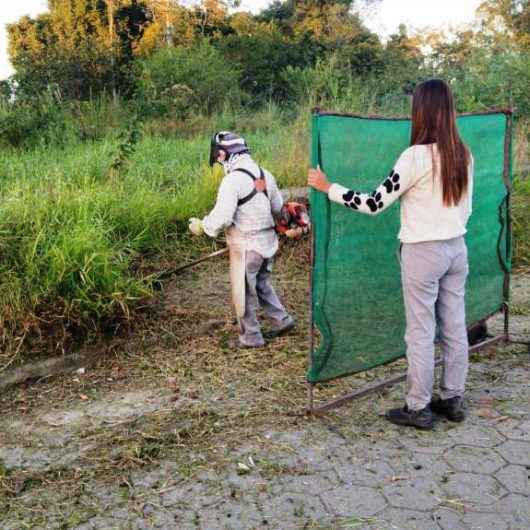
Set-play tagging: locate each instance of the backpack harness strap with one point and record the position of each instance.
(260, 185)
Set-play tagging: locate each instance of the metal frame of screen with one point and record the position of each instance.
(319, 409)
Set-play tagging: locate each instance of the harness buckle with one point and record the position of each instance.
(260, 185)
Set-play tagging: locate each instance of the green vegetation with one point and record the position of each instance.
(521, 221)
(74, 236)
(104, 130)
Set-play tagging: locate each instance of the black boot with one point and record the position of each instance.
(421, 419)
(452, 408)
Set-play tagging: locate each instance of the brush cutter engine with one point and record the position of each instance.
(294, 220)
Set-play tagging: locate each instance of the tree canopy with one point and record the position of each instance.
(88, 47)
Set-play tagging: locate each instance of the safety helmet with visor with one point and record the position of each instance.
(229, 142)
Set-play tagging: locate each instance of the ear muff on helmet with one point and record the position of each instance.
(214, 149)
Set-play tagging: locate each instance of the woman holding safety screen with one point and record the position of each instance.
(433, 179)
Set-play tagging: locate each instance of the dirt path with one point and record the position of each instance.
(175, 430)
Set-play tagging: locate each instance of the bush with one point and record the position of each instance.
(45, 119)
(488, 81)
(178, 82)
(330, 84)
(261, 59)
(521, 221)
(26, 122)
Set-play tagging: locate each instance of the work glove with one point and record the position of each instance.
(195, 226)
(294, 220)
(298, 232)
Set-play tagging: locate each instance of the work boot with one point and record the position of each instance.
(237, 344)
(421, 419)
(273, 333)
(452, 408)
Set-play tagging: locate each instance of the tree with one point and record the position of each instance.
(280, 14)
(507, 20)
(181, 81)
(171, 24)
(83, 46)
(261, 58)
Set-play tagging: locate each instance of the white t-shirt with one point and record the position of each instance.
(424, 217)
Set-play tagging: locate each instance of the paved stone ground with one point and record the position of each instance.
(347, 470)
(327, 473)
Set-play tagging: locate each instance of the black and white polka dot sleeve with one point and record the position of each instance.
(399, 180)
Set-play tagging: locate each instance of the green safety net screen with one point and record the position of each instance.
(357, 301)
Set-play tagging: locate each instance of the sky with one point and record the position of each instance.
(384, 20)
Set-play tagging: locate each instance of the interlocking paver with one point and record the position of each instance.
(313, 484)
(196, 495)
(336, 472)
(354, 500)
(139, 524)
(292, 509)
(475, 435)
(230, 516)
(515, 429)
(397, 519)
(515, 509)
(448, 519)
(427, 443)
(484, 521)
(515, 452)
(364, 473)
(422, 465)
(245, 482)
(303, 451)
(477, 489)
(473, 459)
(165, 519)
(515, 479)
(419, 493)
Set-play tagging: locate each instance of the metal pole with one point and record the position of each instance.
(508, 184)
(310, 386)
(506, 310)
(323, 112)
(167, 273)
(310, 399)
(388, 382)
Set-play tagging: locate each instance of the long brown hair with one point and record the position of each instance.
(434, 121)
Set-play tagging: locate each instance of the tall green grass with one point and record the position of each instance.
(76, 239)
(72, 233)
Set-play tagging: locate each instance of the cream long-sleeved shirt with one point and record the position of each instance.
(424, 217)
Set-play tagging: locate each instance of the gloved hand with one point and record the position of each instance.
(297, 233)
(195, 226)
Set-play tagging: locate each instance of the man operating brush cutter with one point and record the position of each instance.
(250, 207)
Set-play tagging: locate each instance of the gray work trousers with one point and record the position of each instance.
(259, 291)
(434, 276)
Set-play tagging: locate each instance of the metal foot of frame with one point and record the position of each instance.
(322, 409)
(506, 312)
